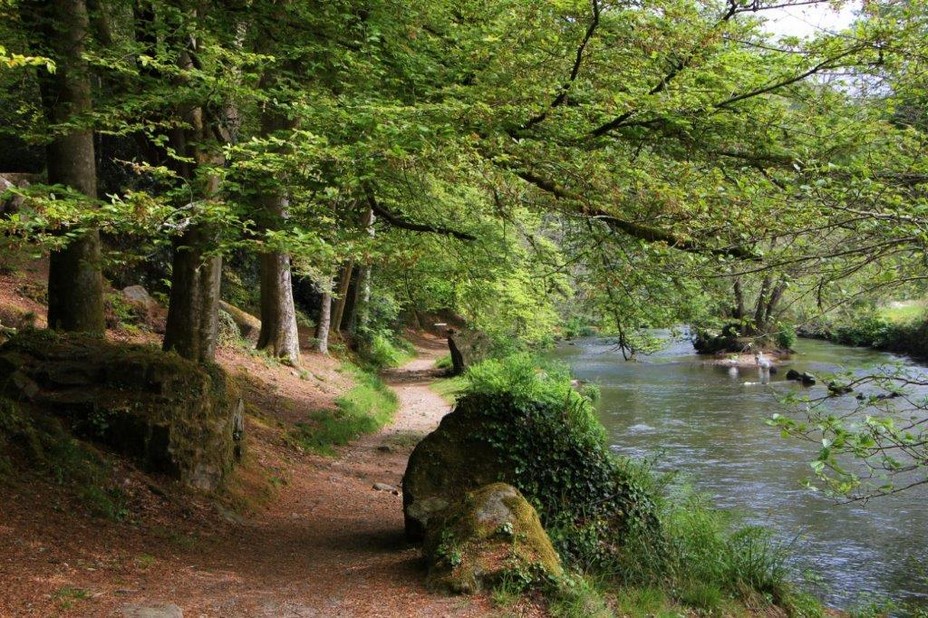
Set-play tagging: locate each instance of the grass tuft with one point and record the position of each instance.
(362, 410)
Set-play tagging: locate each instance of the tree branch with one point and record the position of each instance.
(397, 221)
(635, 230)
(574, 72)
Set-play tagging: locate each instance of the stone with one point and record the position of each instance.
(147, 310)
(138, 295)
(154, 611)
(249, 327)
(493, 533)
(489, 439)
(386, 487)
(170, 415)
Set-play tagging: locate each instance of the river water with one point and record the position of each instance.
(708, 423)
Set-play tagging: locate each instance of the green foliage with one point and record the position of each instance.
(612, 517)
(786, 337)
(449, 388)
(549, 436)
(383, 351)
(364, 409)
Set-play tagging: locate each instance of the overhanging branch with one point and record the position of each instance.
(635, 230)
(400, 222)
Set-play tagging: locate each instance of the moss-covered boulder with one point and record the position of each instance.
(551, 449)
(491, 535)
(171, 415)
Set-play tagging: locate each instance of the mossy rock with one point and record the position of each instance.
(549, 451)
(171, 415)
(492, 535)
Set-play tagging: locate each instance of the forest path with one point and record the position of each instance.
(331, 544)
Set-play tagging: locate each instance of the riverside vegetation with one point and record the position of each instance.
(632, 540)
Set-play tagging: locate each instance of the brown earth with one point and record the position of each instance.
(295, 534)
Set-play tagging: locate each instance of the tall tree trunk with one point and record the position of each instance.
(739, 300)
(279, 335)
(759, 326)
(325, 318)
(75, 280)
(193, 311)
(344, 282)
(775, 296)
(362, 289)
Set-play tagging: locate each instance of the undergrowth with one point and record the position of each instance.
(449, 388)
(40, 444)
(641, 539)
(381, 351)
(364, 409)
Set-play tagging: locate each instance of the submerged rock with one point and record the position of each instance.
(171, 415)
(492, 534)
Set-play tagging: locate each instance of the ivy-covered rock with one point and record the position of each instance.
(171, 415)
(491, 535)
(546, 442)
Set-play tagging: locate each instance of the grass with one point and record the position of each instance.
(449, 388)
(67, 595)
(383, 352)
(362, 410)
(904, 312)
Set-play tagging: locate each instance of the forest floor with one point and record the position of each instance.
(296, 533)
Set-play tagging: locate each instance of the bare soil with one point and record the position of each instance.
(295, 534)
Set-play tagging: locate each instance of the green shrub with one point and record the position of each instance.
(381, 352)
(547, 434)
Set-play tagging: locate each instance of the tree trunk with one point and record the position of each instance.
(325, 318)
(279, 335)
(362, 290)
(739, 300)
(75, 280)
(759, 326)
(344, 282)
(193, 312)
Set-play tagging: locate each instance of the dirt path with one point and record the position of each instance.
(328, 545)
(331, 545)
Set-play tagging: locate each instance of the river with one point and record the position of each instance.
(708, 424)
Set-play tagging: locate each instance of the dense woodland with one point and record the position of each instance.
(526, 169)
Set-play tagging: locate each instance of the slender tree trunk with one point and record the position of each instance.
(325, 318)
(761, 307)
(344, 282)
(75, 280)
(362, 290)
(774, 301)
(739, 300)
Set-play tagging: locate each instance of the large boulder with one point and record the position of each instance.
(491, 535)
(553, 452)
(171, 415)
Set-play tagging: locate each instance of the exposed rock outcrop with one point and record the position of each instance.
(169, 414)
(552, 451)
